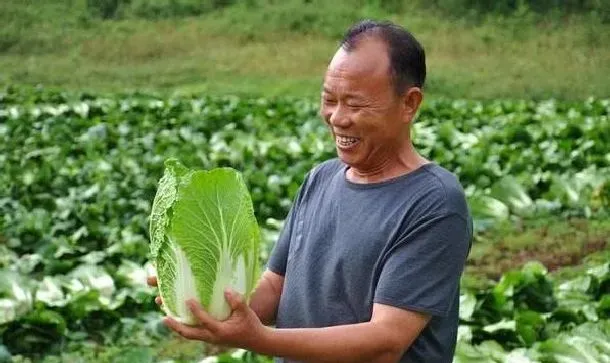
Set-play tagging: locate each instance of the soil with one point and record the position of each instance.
(556, 250)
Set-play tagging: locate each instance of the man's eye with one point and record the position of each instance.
(330, 101)
(355, 105)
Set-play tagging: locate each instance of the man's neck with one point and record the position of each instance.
(402, 163)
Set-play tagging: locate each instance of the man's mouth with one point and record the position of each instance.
(346, 142)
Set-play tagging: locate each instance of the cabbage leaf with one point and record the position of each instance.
(204, 239)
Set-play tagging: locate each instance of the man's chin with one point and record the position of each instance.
(348, 160)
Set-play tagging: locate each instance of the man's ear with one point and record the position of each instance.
(412, 100)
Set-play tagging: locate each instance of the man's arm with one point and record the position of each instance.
(265, 299)
(384, 339)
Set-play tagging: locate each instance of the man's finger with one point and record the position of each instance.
(202, 316)
(189, 332)
(152, 281)
(235, 300)
(158, 300)
(186, 331)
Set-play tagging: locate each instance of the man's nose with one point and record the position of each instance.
(339, 118)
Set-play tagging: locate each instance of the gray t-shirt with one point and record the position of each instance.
(402, 242)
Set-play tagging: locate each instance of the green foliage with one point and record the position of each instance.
(162, 9)
(587, 343)
(105, 9)
(80, 172)
(518, 7)
(239, 356)
(155, 9)
(532, 315)
(204, 238)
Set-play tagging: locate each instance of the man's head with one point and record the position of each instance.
(407, 57)
(372, 90)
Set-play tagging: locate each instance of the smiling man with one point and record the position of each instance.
(367, 267)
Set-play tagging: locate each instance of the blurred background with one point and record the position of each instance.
(476, 48)
(96, 94)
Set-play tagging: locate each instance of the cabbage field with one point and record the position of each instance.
(79, 173)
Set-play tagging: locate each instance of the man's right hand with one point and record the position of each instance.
(152, 281)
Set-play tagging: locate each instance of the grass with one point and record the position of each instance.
(283, 49)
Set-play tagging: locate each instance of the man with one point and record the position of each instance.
(368, 265)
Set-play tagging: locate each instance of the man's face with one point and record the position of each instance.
(361, 108)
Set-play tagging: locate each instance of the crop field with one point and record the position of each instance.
(79, 172)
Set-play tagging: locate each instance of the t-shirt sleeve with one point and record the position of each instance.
(422, 270)
(279, 254)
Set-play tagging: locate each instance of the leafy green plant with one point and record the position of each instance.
(527, 306)
(587, 343)
(105, 9)
(204, 239)
(80, 173)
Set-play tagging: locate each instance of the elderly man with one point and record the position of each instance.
(368, 265)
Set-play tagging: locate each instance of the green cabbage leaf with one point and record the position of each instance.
(204, 239)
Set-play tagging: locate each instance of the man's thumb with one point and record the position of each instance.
(235, 300)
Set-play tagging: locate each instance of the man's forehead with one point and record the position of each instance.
(370, 56)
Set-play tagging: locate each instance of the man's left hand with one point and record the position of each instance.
(242, 329)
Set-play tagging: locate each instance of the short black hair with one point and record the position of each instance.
(406, 54)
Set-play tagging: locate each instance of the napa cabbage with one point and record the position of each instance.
(204, 238)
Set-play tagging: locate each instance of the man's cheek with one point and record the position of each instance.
(326, 117)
